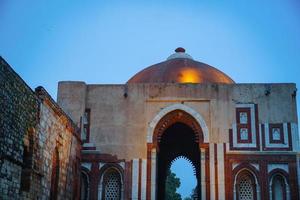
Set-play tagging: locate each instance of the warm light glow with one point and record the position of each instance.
(189, 76)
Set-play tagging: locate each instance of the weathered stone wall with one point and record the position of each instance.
(18, 113)
(55, 130)
(32, 127)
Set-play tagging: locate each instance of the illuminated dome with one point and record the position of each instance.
(180, 68)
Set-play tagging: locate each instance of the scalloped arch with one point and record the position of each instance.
(185, 158)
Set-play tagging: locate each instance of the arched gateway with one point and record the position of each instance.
(177, 132)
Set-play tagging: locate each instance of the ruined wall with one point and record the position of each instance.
(18, 114)
(56, 131)
(32, 129)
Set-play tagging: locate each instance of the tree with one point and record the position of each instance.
(172, 183)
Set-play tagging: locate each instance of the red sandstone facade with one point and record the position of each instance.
(242, 139)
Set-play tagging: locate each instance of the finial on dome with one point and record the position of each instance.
(179, 53)
(180, 50)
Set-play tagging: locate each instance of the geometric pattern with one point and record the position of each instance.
(245, 189)
(244, 134)
(112, 185)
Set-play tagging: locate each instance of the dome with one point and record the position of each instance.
(180, 68)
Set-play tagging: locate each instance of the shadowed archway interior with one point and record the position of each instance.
(177, 140)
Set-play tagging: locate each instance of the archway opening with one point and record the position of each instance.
(178, 140)
(184, 170)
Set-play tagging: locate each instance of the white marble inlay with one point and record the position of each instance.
(243, 118)
(277, 145)
(253, 129)
(177, 106)
(255, 165)
(276, 133)
(88, 144)
(144, 179)
(285, 134)
(101, 164)
(122, 164)
(153, 174)
(135, 179)
(221, 175)
(234, 165)
(87, 165)
(244, 133)
(212, 170)
(295, 137)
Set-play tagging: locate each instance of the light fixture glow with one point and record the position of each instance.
(189, 76)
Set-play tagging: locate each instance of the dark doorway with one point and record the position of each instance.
(177, 140)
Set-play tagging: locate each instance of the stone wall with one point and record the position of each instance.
(32, 129)
(56, 131)
(18, 114)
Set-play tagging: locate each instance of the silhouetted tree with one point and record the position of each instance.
(172, 183)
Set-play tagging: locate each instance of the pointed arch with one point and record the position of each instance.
(199, 119)
(279, 187)
(111, 184)
(246, 183)
(175, 115)
(84, 184)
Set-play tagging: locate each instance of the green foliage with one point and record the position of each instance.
(172, 183)
(187, 198)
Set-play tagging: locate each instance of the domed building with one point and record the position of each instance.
(242, 139)
(180, 68)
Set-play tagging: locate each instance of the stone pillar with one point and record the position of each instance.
(135, 179)
(203, 175)
(212, 170)
(143, 179)
(221, 168)
(153, 174)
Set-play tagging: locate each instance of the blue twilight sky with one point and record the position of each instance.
(109, 41)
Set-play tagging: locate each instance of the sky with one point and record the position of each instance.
(109, 41)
